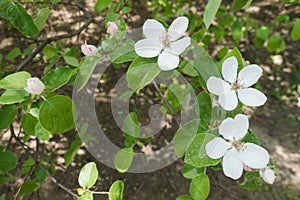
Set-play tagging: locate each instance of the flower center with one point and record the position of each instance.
(238, 145)
(165, 40)
(236, 85)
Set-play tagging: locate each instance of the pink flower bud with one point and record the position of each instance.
(112, 28)
(34, 86)
(89, 50)
(247, 168)
(268, 175)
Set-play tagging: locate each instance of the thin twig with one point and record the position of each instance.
(25, 146)
(26, 176)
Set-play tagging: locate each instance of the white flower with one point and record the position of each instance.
(167, 45)
(226, 90)
(236, 153)
(268, 175)
(34, 86)
(89, 50)
(112, 28)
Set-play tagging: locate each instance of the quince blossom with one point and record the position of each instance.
(89, 50)
(268, 175)
(226, 89)
(236, 154)
(167, 45)
(34, 86)
(112, 28)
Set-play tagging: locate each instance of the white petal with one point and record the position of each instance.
(229, 100)
(241, 125)
(179, 46)
(232, 166)
(34, 86)
(217, 147)
(152, 29)
(250, 75)
(148, 48)
(217, 86)
(252, 97)
(178, 27)
(268, 175)
(227, 128)
(167, 61)
(254, 156)
(229, 69)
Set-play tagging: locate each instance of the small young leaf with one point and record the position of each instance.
(252, 181)
(204, 105)
(210, 11)
(56, 114)
(16, 80)
(75, 146)
(29, 187)
(9, 160)
(102, 5)
(7, 115)
(42, 17)
(200, 187)
(86, 196)
(191, 172)
(116, 191)
(32, 126)
(276, 44)
(123, 159)
(295, 33)
(88, 175)
(40, 174)
(15, 52)
(184, 197)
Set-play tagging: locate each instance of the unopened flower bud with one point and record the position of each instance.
(112, 28)
(268, 175)
(34, 86)
(89, 50)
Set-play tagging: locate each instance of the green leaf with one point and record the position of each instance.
(251, 138)
(241, 4)
(131, 129)
(116, 191)
(196, 153)
(191, 172)
(58, 77)
(49, 51)
(88, 175)
(102, 5)
(200, 187)
(123, 159)
(210, 11)
(263, 32)
(124, 52)
(40, 174)
(29, 187)
(15, 52)
(276, 44)
(75, 146)
(71, 60)
(32, 126)
(16, 80)
(204, 106)
(252, 181)
(13, 96)
(184, 197)
(7, 115)
(141, 72)
(18, 16)
(3, 196)
(9, 160)
(42, 17)
(296, 30)
(86, 196)
(86, 69)
(56, 114)
(187, 68)
(184, 135)
(28, 164)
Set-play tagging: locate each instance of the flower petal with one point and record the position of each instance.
(241, 126)
(152, 29)
(34, 86)
(167, 61)
(217, 86)
(252, 97)
(89, 50)
(268, 175)
(179, 46)
(250, 75)
(229, 69)
(232, 166)
(148, 48)
(217, 147)
(227, 128)
(229, 100)
(254, 156)
(178, 27)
